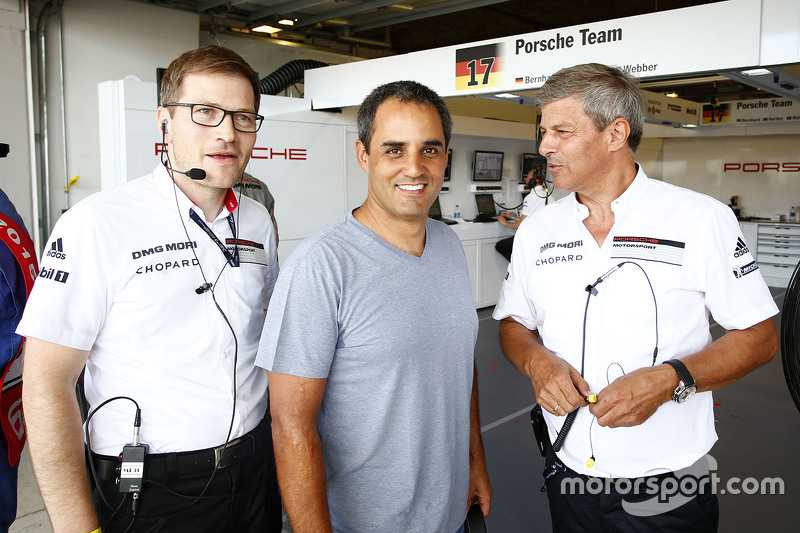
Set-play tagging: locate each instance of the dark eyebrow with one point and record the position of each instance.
(400, 144)
(213, 104)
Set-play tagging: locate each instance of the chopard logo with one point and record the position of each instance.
(56, 250)
(558, 259)
(167, 265)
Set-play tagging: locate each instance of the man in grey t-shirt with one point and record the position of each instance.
(369, 343)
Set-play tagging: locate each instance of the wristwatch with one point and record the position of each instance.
(687, 386)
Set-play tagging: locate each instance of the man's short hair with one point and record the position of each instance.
(210, 59)
(405, 91)
(606, 93)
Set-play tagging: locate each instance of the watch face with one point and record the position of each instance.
(684, 393)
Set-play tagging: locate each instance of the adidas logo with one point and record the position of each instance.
(56, 250)
(741, 248)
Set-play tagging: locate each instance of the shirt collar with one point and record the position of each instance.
(624, 201)
(169, 190)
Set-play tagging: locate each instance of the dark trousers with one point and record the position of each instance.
(504, 247)
(242, 497)
(626, 505)
(8, 488)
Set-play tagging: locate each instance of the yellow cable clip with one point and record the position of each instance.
(72, 181)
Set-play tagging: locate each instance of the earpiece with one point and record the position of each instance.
(164, 127)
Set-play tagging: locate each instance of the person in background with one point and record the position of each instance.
(534, 200)
(258, 191)
(18, 269)
(159, 287)
(370, 342)
(637, 265)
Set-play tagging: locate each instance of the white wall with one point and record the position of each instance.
(698, 163)
(103, 40)
(16, 170)
(650, 155)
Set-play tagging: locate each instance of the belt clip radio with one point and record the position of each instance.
(131, 473)
(540, 430)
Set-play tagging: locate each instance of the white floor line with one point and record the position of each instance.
(505, 419)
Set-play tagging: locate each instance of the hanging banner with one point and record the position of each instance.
(707, 38)
(743, 112)
(661, 109)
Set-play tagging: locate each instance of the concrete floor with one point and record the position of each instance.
(757, 423)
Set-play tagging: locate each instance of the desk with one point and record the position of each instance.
(776, 248)
(487, 268)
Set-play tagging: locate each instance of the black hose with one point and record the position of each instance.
(790, 341)
(287, 75)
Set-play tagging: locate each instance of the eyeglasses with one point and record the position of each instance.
(212, 116)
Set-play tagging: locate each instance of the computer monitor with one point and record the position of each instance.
(449, 165)
(535, 162)
(485, 204)
(487, 166)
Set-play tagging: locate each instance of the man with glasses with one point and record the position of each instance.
(160, 287)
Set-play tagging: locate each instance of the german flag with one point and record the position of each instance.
(720, 114)
(478, 67)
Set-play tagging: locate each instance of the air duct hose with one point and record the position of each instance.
(287, 75)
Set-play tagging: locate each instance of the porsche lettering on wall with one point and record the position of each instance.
(792, 166)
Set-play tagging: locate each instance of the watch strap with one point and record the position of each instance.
(683, 372)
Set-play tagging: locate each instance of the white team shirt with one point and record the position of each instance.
(118, 278)
(691, 249)
(532, 202)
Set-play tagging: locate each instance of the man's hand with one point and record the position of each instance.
(480, 490)
(558, 387)
(508, 219)
(633, 398)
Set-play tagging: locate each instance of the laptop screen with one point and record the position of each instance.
(485, 204)
(436, 209)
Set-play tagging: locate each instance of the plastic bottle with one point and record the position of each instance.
(457, 213)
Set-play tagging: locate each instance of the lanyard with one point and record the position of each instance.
(22, 248)
(233, 258)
